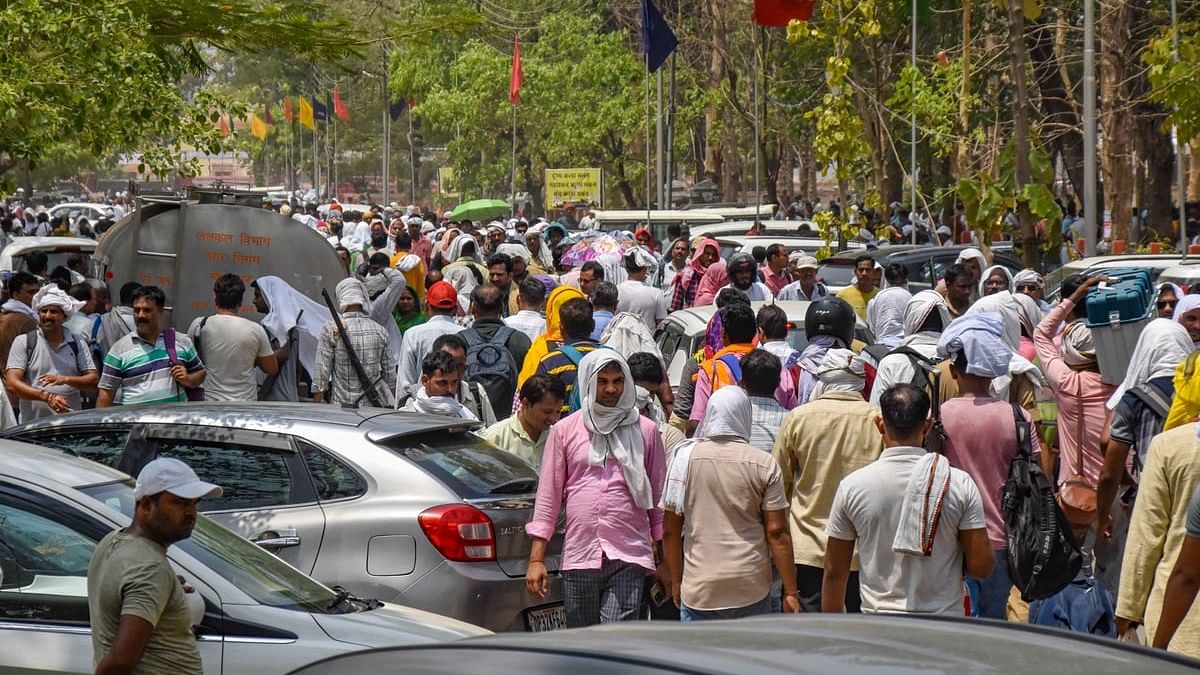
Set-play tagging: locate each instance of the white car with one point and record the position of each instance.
(769, 228)
(1185, 275)
(731, 244)
(681, 334)
(252, 612)
(92, 211)
(1154, 262)
(57, 250)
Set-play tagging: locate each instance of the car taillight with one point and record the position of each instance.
(460, 532)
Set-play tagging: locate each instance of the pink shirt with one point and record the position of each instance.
(981, 439)
(424, 248)
(602, 519)
(785, 393)
(1080, 395)
(775, 282)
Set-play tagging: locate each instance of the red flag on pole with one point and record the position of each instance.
(287, 108)
(267, 117)
(224, 126)
(514, 87)
(778, 13)
(339, 108)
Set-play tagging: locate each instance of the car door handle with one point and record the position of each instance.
(282, 538)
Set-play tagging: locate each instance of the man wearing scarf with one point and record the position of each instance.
(1187, 314)
(293, 323)
(48, 375)
(604, 465)
(828, 324)
(635, 296)
(981, 437)
(686, 283)
(885, 315)
(465, 268)
(819, 444)
(925, 317)
(440, 385)
(16, 314)
(917, 522)
(726, 515)
(336, 378)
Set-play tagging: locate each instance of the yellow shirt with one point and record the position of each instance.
(857, 299)
(508, 434)
(820, 443)
(1156, 533)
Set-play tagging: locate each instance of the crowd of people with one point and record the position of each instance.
(821, 468)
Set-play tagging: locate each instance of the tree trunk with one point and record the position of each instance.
(1016, 43)
(713, 165)
(1116, 112)
(1061, 124)
(784, 192)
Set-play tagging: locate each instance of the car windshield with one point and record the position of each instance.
(467, 464)
(255, 572)
(837, 272)
(54, 259)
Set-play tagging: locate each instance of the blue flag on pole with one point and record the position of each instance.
(320, 111)
(397, 108)
(658, 41)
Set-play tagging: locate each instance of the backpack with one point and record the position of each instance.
(1043, 556)
(31, 343)
(574, 356)
(491, 365)
(872, 355)
(1158, 403)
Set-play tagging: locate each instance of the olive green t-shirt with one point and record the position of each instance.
(131, 575)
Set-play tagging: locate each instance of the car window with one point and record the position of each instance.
(99, 445)
(257, 573)
(467, 464)
(43, 565)
(251, 477)
(837, 273)
(669, 343)
(331, 477)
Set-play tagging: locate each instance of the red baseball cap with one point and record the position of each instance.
(442, 296)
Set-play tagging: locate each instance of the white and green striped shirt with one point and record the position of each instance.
(140, 371)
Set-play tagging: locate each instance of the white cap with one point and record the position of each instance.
(806, 262)
(167, 474)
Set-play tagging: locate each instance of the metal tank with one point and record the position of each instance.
(183, 246)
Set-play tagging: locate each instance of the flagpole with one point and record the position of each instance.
(912, 120)
(757, 132)
(412, 159)
(513, 178)
(1179, 144)
(658, 137)
(648, 183)
(670, 177)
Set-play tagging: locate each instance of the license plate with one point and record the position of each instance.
(548, 618)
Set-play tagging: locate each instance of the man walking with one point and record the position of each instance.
(136, 606)
(604, 306)
(524, 433)
(370, 343)
(231, 345)
(819, 444)
(863, 290)
(118, 323)
(604, 465)
(442, 301)
(438, 391)
(912, 557)
(634, 296)
(726, 515)
(16, 314)
(760, 378)
(494, 351)
(775, 271)
(149, 365)
(531, 301)
(981, 437)
(48, 367)
(575, 321)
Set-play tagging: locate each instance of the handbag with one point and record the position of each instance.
(195, 393)
(1077, 495)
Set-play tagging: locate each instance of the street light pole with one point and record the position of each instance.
(1089, 128)
(912, 211)
(1178, 145)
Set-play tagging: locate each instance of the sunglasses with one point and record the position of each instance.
(1163, 304)
(1027, 287)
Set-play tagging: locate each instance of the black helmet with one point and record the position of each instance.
(830, 316)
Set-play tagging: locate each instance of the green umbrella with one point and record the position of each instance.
(480, 209)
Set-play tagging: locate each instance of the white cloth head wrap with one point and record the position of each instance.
(1161, 347)
(1078, 348)
(841, 370)
(615, 431)
(1186, 304)
(994, 268)
(515, 251)
(979, 337)
(918, 309)
(288, 308)
(351, 291)
(1027, 277)
(642, 257)
(885, 315)
(971, 253)
(53, 296)
(728, 417)
(456, 248)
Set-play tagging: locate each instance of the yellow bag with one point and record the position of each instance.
(1186, 404)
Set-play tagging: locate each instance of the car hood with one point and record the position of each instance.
(394, 625)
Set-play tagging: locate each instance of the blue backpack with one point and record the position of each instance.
(575, 356)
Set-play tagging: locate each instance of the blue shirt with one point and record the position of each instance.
(601, 317)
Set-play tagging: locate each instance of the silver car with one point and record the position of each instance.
(406, 508)
(252, 613)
